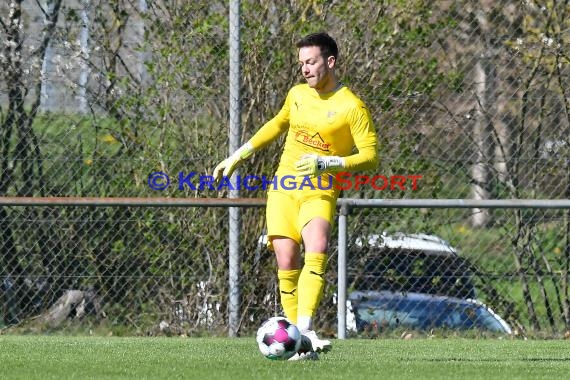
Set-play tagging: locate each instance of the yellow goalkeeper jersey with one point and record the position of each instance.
(332, 124)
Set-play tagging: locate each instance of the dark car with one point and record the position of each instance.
(413, 280)
(386, 309)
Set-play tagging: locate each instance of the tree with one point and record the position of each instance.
(21, 160)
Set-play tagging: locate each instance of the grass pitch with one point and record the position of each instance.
(66, 357)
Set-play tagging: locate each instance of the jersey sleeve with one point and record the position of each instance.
(273, 128)
(364, 135)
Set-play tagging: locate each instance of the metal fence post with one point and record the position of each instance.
(234, 137)
(342, 248)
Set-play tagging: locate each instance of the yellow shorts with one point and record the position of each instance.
(288, 211)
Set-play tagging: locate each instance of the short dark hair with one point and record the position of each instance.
(326, 43)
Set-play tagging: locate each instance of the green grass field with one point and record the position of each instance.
(66, 357)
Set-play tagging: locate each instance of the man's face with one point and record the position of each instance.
(317, 70)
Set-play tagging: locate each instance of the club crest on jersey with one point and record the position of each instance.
(314, 141)
(331, 116)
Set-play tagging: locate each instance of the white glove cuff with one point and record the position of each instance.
(330, 163)
(244, 151)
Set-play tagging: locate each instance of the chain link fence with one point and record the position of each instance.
(508, 278)
(468, 97)
(155, 270)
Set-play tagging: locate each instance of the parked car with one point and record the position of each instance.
(413, 280)
(386, 309)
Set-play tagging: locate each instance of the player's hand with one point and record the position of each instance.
(308, 166)
(313, 165)
(226, 168)
(230, 164)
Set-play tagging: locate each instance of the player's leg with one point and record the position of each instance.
(287, 253)
(288, 257)
(312, 278)
(317, 213)
(284, 239)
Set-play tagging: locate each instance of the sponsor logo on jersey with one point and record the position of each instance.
(314, 141)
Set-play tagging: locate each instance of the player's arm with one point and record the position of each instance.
(365, 140)
(365, 158)
(266, 134)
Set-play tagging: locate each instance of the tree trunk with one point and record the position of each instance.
(480, 171)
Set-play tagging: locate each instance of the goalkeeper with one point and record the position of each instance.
(329, 129)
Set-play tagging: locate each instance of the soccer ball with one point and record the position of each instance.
(278, 338)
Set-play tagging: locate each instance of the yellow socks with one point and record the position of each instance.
(311, 287)
(288, 280)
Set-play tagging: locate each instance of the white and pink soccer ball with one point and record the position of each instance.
(278, 338)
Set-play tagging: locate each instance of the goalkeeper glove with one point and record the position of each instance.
(227, 166)
(312, 165)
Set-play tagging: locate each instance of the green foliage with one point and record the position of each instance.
(158, 101)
